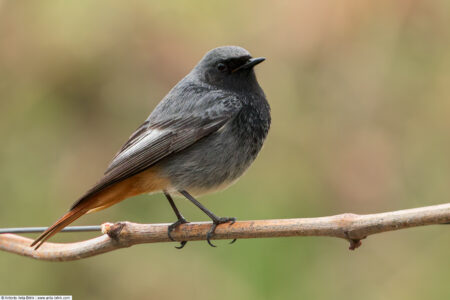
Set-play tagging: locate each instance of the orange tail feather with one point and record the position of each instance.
(58, 226)
(144, 182)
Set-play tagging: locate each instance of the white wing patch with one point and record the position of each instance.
(146, 139)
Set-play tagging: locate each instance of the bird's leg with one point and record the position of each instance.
(181, 220)
(216, 220)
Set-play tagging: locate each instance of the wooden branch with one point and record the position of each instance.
(125, 234)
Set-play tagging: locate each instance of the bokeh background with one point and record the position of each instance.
(360, 97)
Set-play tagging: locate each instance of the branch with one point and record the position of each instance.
(350, 227)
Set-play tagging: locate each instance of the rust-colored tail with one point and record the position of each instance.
(97, 199)
(65, 220)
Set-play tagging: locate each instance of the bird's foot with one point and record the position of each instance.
(214, 226)
(172, 228)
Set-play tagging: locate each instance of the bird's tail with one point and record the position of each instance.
(62, 222)
(98, 199)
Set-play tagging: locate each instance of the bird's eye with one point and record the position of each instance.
(221, 67)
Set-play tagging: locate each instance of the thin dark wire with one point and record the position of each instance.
(42, 229)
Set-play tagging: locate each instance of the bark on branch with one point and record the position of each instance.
(350, 227)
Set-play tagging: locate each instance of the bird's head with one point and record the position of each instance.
(228, 67)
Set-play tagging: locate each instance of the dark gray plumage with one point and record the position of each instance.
(218, 118)
(201, 137)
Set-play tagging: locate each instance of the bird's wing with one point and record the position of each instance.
(155, 140)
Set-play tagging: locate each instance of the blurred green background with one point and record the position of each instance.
(360, 95)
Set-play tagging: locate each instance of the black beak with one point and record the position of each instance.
(250, 63)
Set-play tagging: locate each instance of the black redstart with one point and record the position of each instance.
(200, 138)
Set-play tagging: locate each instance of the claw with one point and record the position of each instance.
(210, 233)
(231, 223)
(214, 226)
(172, 228)
(182, 244)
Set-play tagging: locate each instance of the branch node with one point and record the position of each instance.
(106, 227)
(354, 243)
(114, 230)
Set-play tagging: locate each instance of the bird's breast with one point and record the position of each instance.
(218, 160)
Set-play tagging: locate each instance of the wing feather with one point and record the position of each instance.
(153, 141)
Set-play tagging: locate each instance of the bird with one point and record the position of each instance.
(199, 139)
